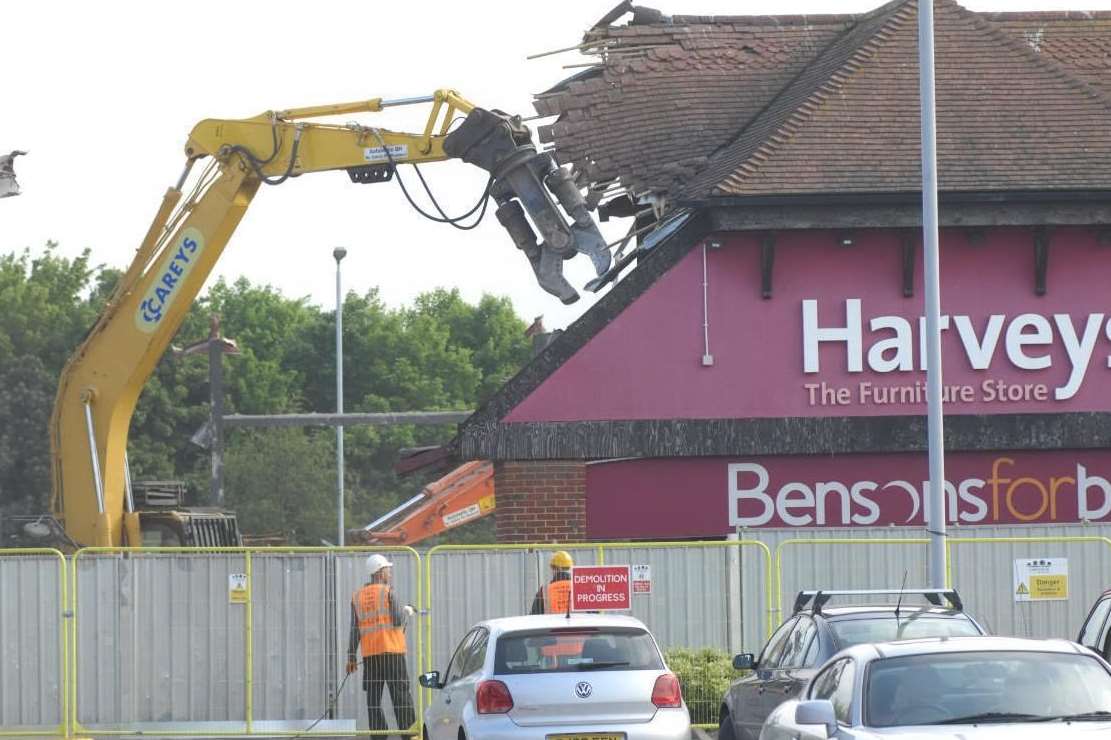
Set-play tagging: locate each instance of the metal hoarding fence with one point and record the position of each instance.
(229, 641)
(692, 604)
(33, 645)
(253, 641)
(983, 568)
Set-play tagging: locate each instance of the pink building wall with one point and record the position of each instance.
(647, 363)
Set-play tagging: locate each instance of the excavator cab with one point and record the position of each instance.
(164, 520)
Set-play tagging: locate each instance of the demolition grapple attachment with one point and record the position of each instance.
(524, 182)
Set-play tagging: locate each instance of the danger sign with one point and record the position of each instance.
(600, 587)
(1042, 579)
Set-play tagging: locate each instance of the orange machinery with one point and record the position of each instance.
(461, 496)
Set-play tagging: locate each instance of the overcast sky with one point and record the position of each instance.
(104, 94)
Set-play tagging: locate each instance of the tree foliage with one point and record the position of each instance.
(440, 353)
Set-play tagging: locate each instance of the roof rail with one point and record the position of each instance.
(817, 599)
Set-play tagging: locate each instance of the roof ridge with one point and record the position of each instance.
(835, 81)
(1039, 59)
(888, 11)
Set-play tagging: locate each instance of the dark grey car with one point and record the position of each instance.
(813, 634)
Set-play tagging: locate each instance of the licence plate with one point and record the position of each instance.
(617, 736)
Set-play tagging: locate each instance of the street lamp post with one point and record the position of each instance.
(935, 507)
(339, 253)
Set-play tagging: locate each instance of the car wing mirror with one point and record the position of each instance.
(744, 662)
(430, 680)
(817, 712)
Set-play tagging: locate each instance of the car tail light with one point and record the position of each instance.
(666, 692)
(493, 697)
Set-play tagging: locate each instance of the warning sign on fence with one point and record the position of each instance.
(237, 588)
(600, 587)
(1042, 579)
(642, 579)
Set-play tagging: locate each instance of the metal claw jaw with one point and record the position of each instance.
(525, 181)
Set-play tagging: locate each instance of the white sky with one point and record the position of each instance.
(103, 95)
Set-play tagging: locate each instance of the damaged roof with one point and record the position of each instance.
(698, 107)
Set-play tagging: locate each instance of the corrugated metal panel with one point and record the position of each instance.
(158, 640)
(407, 585)
(291, 647)
(469, 586)
(30, 641)
(688, 606)
(983, 572)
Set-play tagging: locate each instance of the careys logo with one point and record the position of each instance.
(171, 273)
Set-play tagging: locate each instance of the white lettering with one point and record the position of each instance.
(911, 491)
(813, 335)
(1079, 351)
(1017, 338)
(901, 345)
(943, 324)
(979, 351)
(784, 503)
(860, 499)
(737, 495)
(1083, 483)
(824, 489)
(965, 492)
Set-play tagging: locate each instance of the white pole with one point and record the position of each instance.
(935, 522)
(339, 253)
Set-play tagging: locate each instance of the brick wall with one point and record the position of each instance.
(543, 501)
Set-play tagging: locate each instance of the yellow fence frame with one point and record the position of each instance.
(772, 593)
(75, 726)
(62, 728)
(1047, 539)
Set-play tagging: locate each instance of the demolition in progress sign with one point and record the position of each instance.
(600, 588)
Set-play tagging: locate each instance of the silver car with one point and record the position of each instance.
(554, 677)
(965, 687)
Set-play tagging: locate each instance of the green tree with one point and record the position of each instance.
(44, 313)
(282, 480)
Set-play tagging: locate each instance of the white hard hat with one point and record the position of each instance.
(376, 563)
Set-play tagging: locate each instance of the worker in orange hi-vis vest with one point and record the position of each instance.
(554, 597)
(378, 633)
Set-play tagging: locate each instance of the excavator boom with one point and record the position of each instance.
(463, 495)
(102, 380)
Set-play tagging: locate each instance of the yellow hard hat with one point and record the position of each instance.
(562, 560)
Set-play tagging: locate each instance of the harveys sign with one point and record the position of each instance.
(838, 337)
(711, 496)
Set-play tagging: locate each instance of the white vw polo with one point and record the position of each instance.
(554, 677)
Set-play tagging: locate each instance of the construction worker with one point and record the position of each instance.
(554, 597)
(378, 632)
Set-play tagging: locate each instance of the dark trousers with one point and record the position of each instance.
(388, 669)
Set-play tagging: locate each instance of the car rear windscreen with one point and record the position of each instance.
(563, 650)
(888, 629)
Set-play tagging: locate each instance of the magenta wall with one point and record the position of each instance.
(709, 497)
(647, 363)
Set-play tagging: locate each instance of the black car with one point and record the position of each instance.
(815, 632)
(1096, 632)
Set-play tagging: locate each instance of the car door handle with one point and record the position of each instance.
(447, 699)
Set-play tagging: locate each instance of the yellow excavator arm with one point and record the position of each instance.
(101, 382)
